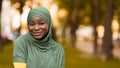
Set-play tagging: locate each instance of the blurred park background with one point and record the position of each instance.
(89, 30)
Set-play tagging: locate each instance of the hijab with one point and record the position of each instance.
(45, 15)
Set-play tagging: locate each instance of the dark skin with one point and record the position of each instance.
(38, 28)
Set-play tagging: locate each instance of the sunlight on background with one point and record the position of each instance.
(13, 22)
(53, 11)
(10, 18)
(115, 28)
(62, 13)
(26, 9)
(100, 29)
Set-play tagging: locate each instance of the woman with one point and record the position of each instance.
(37, 49)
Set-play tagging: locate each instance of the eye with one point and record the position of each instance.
(31, 24)
(41, 23)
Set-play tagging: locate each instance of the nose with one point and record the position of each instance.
(36, 27)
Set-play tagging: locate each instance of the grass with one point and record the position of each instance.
(73, 59)
(6, 56)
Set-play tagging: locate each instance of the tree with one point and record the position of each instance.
(107, 39)
(96, 21)
(76, 21)
(68, 5)
(73, 18)
(0, 25)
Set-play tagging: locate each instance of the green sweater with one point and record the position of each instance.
(44, 53)
(50, 55)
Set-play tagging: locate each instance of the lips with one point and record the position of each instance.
(37, 33)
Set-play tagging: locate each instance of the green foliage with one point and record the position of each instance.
(117, 8)
(86, 10)
(67, 4)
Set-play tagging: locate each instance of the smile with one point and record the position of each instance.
(37, 33)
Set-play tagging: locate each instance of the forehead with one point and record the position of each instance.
(37, 19)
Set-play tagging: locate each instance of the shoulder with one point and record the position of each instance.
(20, 43)
(59, 46)
(20, 40)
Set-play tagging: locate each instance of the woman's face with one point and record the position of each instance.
(38, 27)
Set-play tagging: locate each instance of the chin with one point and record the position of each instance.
(37, 37)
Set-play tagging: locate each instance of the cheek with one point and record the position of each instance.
(47, 28)
(30, 28)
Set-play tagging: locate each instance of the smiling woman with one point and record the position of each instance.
(37, 49)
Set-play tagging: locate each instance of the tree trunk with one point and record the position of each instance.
(107, 39)
(96, 21)
(66, 22)
(63, 33)
(21, 10)
(0, 26)
(76, 20)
